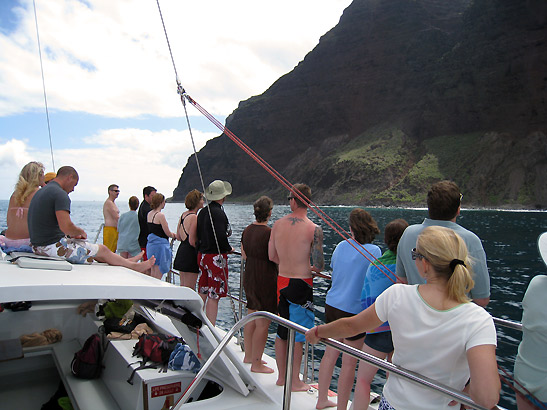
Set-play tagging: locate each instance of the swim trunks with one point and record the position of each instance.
(76, 251)
(295, 303)
(213, 280)
(110, 238)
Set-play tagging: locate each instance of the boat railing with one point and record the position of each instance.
(292, 329)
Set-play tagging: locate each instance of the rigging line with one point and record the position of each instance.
(168, 43)
(517, 391)
(318, 211)
(43, 84)
(181, 92)
(262, 162)
(224, 263)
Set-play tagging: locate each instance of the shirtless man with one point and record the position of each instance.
(52, 232)
(111, 215)
(294, 237)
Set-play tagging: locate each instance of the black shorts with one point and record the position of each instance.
(380, 341)
(332, 314)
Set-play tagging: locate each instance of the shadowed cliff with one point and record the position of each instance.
(398, 95)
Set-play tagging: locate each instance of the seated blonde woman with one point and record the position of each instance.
(437, 331)
(16, 237)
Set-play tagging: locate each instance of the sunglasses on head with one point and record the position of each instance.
(416, 255)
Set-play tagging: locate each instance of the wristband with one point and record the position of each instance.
(317, 331)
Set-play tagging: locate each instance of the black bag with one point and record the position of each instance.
(114, 324)
(88, 361)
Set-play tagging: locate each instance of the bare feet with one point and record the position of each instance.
(248, 361)
(136, 258)
(261, 368)
(297, 385)
(324, 404)
(142, 267)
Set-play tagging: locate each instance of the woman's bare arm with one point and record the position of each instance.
(347, 327)
(484, 383)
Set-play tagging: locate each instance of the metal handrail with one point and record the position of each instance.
(507, 323)
(294, 327)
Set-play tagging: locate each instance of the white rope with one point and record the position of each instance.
(43, 83)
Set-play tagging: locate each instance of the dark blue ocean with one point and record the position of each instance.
(509, 239)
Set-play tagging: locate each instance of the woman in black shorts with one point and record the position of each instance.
(186, 261)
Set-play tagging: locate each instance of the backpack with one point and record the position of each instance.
(87, 362)
(155, 348)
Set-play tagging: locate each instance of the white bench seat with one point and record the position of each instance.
(84, 394)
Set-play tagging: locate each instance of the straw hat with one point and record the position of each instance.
(542, 246)
(217, 190)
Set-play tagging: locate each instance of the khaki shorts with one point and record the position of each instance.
(73, 250)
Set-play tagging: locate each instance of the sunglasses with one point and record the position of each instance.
(290, 197)
(416, 255)
(115, 190)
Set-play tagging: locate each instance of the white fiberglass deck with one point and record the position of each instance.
(96, 281)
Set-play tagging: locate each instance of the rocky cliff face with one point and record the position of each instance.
(398, 95)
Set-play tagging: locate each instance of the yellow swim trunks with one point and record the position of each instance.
(110, 238)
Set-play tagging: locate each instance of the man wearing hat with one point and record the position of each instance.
(213, 248)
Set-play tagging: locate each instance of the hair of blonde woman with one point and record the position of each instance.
(29, 180)
(192, 199)
(441, 246)
(363, 225)
(156, 200)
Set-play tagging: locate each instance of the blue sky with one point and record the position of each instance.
(111, 91)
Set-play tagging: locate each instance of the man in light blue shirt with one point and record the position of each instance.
(443, 203)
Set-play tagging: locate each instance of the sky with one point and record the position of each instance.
(114, 111)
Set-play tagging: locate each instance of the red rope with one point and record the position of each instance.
(517, 391)
(283, 181)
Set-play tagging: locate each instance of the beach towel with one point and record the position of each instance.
(159, 247)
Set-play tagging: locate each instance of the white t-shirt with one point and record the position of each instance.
(431, 342)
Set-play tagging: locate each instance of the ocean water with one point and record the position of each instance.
(509, 239)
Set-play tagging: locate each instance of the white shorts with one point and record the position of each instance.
(73, 250)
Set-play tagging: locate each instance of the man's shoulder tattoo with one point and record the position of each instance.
(294, 220)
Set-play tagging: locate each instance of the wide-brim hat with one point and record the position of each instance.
(217, 190)
(542, 246)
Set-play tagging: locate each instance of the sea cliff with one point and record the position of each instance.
(398, 95)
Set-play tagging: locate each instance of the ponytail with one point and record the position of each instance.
(447, 252)
(460, 284)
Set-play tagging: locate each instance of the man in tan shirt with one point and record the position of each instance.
(111, 215)
(293, 240)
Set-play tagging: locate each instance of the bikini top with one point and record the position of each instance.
(156, 229)
(19, 211)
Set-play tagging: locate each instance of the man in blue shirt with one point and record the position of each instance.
(443, 203)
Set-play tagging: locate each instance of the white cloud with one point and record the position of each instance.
(111, 58)
(131, 158)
